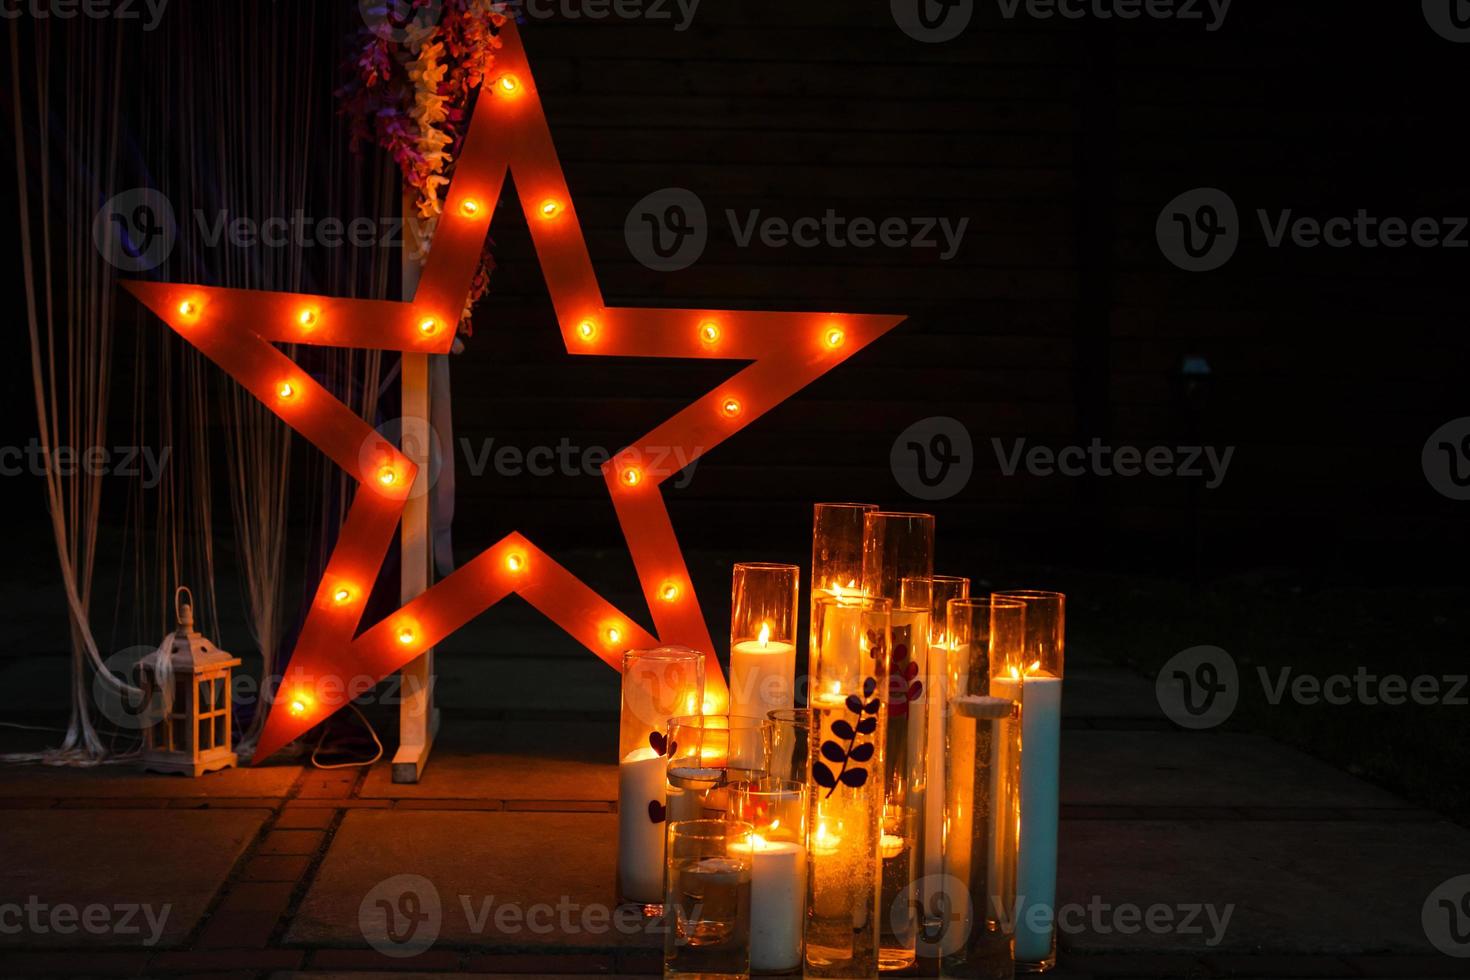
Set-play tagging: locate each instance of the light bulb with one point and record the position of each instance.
(286, 390)
(470, 207)
(428, 326)
(188, 308)
(550, 208)
(587, 329)
(835, 337)
(731, 407)
(306, 317)
(632, 476)
(342, 595)
(709, 332)
(509, 84)
(405, 635)
(669, 591)
(614, 635)
(387, 476)
(299, 705)
(515, 561)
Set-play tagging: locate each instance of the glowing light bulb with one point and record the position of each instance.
(307, 317)
(188, 308)
(515, 562)
(299, 704)
(550, 208)
(509, 84)
(387, 476)
(614, 635)
(406, 635)
(632, 476)
(835, 337)
(342, 595)
(286, 391)
(731, 407)
(709, 332)
(470, 207)
(428, 326)
(587, 330)
(669, 591)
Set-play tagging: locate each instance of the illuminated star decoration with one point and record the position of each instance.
(332, 663)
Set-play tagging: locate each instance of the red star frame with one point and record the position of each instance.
(236, 329)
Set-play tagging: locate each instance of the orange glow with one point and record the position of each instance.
(387, 476)
(669, 591)
(515, 561)
(835, 337)
(508, 83)
(587, 330)
(470, 207)
(188, 308)
(307, 317)
(342, 596)
(406, 635)
(428, 326)
(709, 332)
(632, 476)
(300, 703)
(765, 637)
(286, 391)
(550, 208)
(731, 407)
(614, 634)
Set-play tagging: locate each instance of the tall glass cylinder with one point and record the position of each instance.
(763, 599)
(898, 565)
(657, 685)
(708, 900)
(1040, 671)
(850, 649)
(837, 549)
(975, 920)
(707, 754)
(777, 809)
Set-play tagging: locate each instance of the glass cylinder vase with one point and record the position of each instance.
(777, 809)
(657, 685)
(1040, 670)
(975, 915)
(850, 644)
(898, 565)
(707, 754)
(763, 599)
(837, 549)
(708, 900)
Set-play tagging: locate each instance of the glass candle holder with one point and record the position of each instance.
(1040, 677)
(777, 809)
(973, 920)
(837, 549)
(763, 600)
(706, 755)
(789, 739)
(845, 782)
(657, 685)
(898, 564)
(708, 900)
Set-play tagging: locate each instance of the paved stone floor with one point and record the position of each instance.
(1282, 866)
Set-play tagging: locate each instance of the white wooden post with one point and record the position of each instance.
(418, 719)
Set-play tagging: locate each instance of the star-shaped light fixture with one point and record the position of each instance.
(333, 662)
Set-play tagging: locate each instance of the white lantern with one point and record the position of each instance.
(191, 678)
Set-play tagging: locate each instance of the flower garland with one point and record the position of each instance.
(415, 68)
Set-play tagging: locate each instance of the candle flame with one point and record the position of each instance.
(765, 637)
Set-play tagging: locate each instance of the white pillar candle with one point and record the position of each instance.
(777, 902)
(641, 781)
(1036, 861)
(762, 676)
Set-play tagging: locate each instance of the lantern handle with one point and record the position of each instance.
(184, 614)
